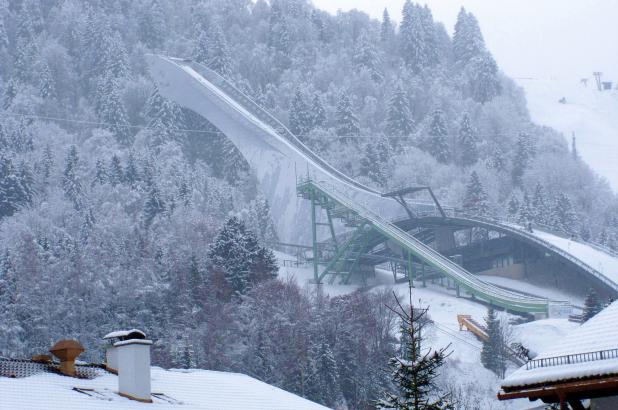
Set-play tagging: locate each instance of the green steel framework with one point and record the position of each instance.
(341, 259)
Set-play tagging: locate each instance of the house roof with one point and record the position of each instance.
(39, 387)
(590, 351)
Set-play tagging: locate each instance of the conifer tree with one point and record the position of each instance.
(47, 162)
(367, 58)
(153, 206)
(131, 174)
(563, 216)
(476, 201)
(592, 305)
(493, 354)
(100, 173)
(201, 47)
(318, 114)
(387, 31)
(466, 143)
(513, 208)
(71, 182)
(437, 145)
(11, 327)
(399, 120)
(524, 152)
(218, 53)
(539, 205)
(417, 37)
(345, 121)
(526, 211)
(115, 174)
(165, 119)
(10, 191)
(300, 118)
(324, 373)
(414, 374)
(483, 81)
(468, 41)
(152, 25)
(112, 110)
(47, 88)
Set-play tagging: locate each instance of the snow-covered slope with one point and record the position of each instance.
(589, 114)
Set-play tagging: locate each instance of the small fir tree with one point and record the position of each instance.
(467, 143)
(346, 122)
(493, 353)
(414, 374)
(437, 145)
(476, 200)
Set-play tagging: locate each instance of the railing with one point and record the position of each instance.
(572, 359)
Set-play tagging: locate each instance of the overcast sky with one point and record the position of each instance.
(561, 39)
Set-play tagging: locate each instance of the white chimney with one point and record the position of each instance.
(111, 353)
(133, 357)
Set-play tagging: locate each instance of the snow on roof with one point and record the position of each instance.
(124, 333)
(181, 390)
(598, 334)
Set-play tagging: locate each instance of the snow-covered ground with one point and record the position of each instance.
(588, 113)
(465, 369)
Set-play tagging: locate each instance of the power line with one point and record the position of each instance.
(144, 127)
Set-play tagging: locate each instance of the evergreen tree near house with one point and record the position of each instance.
(324, 376)
(346, 123)
(493, 353)
(467, 154)
(414, 373)
(399, 122)
(592, 305)
(476, 200)
(437, 143)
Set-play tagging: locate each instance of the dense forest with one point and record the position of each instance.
(120, 209)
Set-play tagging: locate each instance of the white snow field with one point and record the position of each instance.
(188, 389)
(464, 369)
(588, 113)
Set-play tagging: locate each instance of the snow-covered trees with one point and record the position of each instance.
(524, 152)
(300, 119)
(467, 151)
(494, 354)
(16, 186)
(399, 122)
(475, 201)
(236, 252)
(417, 34)
(468, 40)
(563, 216)
(437, 143)
(71, 182)
(367, 58)
(346, 122)
(414, 373)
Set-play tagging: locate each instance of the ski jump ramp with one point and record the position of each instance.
(279, 160)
